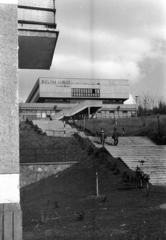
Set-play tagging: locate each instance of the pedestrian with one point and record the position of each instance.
(115, 137)
(102, 137)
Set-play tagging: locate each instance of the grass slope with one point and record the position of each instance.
(133, 126)
(49, 149)
(126, 214)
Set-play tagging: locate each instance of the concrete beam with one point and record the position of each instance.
(36, 48)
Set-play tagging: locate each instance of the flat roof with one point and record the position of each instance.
(119, 86)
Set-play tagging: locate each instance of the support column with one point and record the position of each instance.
(10, 212)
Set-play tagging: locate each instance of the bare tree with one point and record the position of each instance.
(145, 104)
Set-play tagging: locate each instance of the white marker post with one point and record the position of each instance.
(97, 185)
(64, 128)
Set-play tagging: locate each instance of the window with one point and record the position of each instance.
(85, 92)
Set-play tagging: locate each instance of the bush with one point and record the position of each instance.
(113, 166)
(117, 171)
(90, 150)
(36, 128)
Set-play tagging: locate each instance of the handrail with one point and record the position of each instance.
(75, 109)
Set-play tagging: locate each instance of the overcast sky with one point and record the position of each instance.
(117, 39)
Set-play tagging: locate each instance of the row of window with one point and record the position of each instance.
(39, 112)
(110, 111)
(112, 101)
(85, 92)
(56, 100)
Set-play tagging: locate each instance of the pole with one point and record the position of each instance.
(88, 112)
(97, 185)
(35, 154)
(136, 98)
(64, 127)
(65, 154)
(158, 124)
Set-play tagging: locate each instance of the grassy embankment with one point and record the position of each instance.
(50, 207)
(41, 148)
(132, 126)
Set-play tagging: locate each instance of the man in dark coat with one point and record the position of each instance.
(102, 137)
(115, 137)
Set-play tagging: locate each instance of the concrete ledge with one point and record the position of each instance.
(48, 163)
(36, 48)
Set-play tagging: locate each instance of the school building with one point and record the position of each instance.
(70, 97)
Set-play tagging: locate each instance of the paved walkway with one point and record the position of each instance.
(133, 150)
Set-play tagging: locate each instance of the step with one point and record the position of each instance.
(132, 150)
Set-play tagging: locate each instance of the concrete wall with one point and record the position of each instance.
(30, 173)
(10, 211)
(9, 140)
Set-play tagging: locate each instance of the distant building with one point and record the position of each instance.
(103, 97)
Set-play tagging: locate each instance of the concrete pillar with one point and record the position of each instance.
(10, 212)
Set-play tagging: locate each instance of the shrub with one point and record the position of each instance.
(117, 171)
(36, 127)
(90, 150)
(113, 166)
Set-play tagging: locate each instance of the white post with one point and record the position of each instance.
(116, 119)
(88, 112)
(64, 128)
(97, 184)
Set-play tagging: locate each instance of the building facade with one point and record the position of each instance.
(51, 90)
(50, 95)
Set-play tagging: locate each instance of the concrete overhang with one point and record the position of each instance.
(36, 47)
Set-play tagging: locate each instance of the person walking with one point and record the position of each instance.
(102, 137)
(115, 137)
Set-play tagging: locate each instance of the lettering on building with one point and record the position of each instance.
(58, 83)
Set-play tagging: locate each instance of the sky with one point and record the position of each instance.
(117, 39)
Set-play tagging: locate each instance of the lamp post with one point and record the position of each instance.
(136, 99)
(118, 108)
(158, 117)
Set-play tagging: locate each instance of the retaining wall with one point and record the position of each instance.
(30, 173)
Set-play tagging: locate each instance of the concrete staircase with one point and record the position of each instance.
(133, 150)
(54, 128)
(78, 108)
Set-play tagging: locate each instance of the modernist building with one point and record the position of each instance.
(50, 95)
